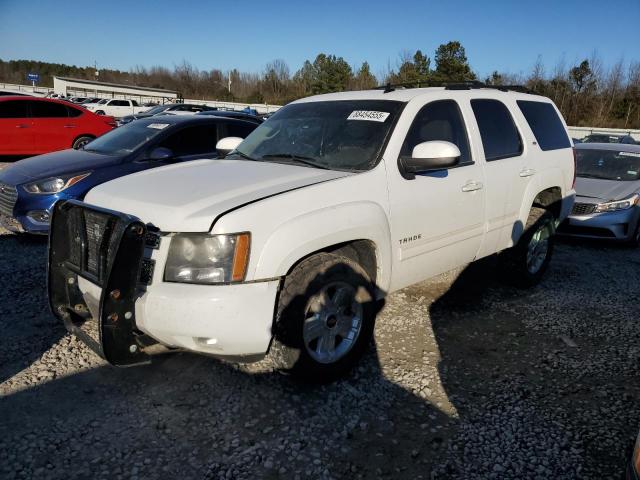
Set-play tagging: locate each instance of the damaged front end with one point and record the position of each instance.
(96, 261)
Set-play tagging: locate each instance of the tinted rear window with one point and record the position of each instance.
(500, 137)
(48, 110)
(545, 124)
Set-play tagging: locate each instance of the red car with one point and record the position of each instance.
(31, 125)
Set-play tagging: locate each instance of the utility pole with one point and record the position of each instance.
(97, 74)
(229, 77)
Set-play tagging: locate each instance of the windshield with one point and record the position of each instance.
(339, 135)
(125, 139)
(608, 165)
(104, 100)
(154, 110)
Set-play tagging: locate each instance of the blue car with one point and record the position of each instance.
(30, 187)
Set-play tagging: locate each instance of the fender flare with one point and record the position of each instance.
(319, 229)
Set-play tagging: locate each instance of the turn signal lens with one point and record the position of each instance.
(241, 257)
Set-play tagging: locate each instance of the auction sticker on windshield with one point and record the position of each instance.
(628, 154)
(158, 126)
(368, 115)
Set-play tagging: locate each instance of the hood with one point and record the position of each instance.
(55, 163)
(188, 197)
(605, 190)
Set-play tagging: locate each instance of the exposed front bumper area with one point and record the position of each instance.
(617, 226)
(102, 291)
(233, 321)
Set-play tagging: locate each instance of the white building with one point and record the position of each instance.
(76, 87)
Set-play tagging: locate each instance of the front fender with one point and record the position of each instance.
(316, 230)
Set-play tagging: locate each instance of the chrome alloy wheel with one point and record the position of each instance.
(538, 247)
(332, 324)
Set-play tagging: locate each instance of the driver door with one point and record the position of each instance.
(437, 217)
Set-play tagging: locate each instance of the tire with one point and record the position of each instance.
(634, 241)
(99, 112)
(326, 300)
(81, 142)
(527, 261)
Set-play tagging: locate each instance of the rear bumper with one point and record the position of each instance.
(617, 226)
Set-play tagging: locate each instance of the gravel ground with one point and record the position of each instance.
(468, 379)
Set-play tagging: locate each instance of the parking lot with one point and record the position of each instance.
(469, 378)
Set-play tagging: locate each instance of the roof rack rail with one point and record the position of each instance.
(390, 87)
(477, 84)
(466, 85)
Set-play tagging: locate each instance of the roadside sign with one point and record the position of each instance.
(33, 77)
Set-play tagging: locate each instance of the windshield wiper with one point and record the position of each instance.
(298, 159)
(243, 155)
(589, 175)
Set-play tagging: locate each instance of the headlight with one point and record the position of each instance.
(618, 205)
(55, 184)
(205, 258)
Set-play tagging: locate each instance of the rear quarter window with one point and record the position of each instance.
(545, 124)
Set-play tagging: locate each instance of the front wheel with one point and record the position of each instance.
(325, 318)
(528, 260)
(634, 241)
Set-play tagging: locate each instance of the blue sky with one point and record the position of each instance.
(497, 35)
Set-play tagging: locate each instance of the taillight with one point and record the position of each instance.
(575, 167)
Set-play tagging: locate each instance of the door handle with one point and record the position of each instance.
(22, 125)
(472, 186)
(527, 172)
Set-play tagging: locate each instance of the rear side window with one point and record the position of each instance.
(13, 109)
(500, 137)
(192, 141)
(48, 110)
(545, 124)
(74, 112)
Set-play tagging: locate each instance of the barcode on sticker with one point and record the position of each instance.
(369, 115)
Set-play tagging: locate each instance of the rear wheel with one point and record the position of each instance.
(80, 142)
(325, 318)
(528, 260)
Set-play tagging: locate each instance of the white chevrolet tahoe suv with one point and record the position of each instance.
(286, 246)
(116, 108)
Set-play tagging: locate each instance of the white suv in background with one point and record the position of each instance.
(286, 246)
(116, 108)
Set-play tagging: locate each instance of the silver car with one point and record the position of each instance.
(607, 193)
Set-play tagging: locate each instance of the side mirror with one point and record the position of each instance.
(160, 153)
(430, 156)
(226, 145)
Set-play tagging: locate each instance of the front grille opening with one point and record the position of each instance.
(8, 198)
(583, 208)
(587, 231)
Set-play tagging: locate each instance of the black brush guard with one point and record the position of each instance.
(106, 248)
